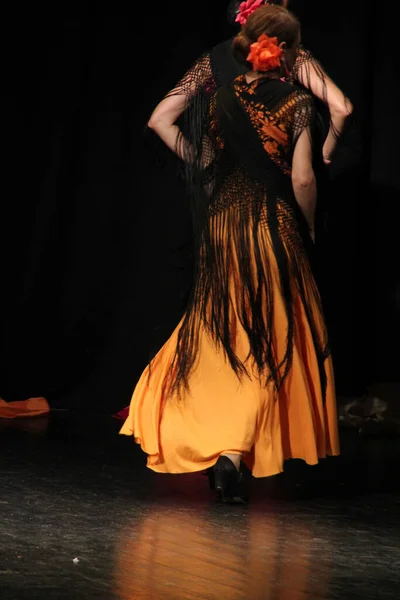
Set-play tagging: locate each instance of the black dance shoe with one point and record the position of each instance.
(228, 482)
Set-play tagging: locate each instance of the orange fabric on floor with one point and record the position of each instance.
(222, 414)
(33, 407)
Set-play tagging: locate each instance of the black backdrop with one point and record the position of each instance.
(95, 236)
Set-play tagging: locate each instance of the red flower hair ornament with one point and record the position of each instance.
(246, 9)
(265, 54)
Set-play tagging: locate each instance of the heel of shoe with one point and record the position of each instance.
(229, 483)
(222, 479)
(211, 478)
(239, 494)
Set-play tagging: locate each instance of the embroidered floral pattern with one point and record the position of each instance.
(275, 128)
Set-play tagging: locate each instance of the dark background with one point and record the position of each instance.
(95, 235)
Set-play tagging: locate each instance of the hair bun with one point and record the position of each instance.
(241, 47)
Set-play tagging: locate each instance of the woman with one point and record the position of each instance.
(247, 374)
(217, 67)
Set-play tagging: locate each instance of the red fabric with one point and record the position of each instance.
(122, 415)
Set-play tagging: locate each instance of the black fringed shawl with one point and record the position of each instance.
(236, 189)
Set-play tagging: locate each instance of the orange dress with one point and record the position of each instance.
(219, 411)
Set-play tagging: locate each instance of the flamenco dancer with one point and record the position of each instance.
(247, 374)
(221, 66)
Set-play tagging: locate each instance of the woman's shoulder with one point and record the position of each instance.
(305, 59)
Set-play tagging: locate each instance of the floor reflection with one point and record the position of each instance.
(173, 554)
(71, 487)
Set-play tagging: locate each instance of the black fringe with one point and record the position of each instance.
(244, 195)
(208, 171)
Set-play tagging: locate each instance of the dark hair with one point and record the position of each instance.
(274, 21)
(233, 9)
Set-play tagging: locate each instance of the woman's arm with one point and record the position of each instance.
(167, 112)
(303, 179)
(311, 75)
(163, 120)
